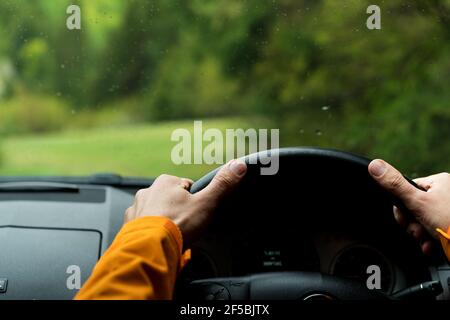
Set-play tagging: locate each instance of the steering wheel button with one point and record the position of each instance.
(3, 285)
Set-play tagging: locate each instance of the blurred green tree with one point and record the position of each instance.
(311, 67)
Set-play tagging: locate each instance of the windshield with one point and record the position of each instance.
(111, 86)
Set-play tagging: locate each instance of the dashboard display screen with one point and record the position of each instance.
(271, 252)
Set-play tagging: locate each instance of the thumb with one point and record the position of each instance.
(394, 182)
(224, 181)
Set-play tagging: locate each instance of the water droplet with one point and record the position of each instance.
(301, 131)
(73, 111)
(63, 66)
(326, 108)
(58, 94)
(319, 132)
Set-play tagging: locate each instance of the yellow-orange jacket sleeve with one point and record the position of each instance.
(142, 263)
(445, 241)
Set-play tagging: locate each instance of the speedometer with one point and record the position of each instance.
(354, 262)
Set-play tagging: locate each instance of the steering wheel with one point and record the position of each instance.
(311, 185)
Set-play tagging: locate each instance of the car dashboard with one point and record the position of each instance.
(48, 227)
(50, 230)
(326, 252)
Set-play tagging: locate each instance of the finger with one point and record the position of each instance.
(420, 234)
(427, 247)
(424, 183)
(138, 200)
(393, 181)
(224, 181)
(129, 214)
(189, 180)
(435, 177)
(400, 217)
(417, 231)
(186, 183)
(167, 180)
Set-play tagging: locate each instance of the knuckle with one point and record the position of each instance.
(139, 193)
(127, 215)
(162, 177)
(396, 182)
(224, 181)
(189, 181)
(166, 178)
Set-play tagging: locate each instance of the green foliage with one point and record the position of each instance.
(137, 150)
(32, 114)
(311, 68)
(202, 90)
(1, 155)
(116, 113)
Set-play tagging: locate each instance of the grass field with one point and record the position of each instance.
(142, 151)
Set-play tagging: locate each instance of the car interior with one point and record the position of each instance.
(99, 98)
(313, 231)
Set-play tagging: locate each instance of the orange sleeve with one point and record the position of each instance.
(445, 241)
(142, 263)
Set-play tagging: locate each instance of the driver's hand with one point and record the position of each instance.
(431, 208)
(169, 197)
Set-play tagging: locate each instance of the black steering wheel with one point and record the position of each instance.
(312, 185)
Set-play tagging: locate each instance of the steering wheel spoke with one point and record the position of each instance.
(280, 286)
